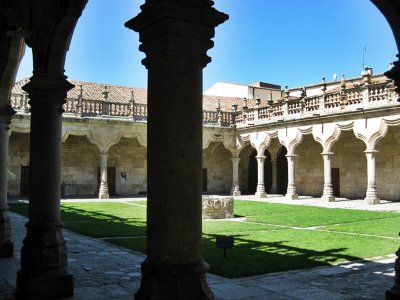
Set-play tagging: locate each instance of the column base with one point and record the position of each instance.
(44, 287)
(328, 198)
(236, 193)
(392, 294)
(372, 200)
(261, 194)
(292, 196)
(165, 282)
(104, 196)
(6, 249)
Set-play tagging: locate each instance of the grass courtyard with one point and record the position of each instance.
(268, 237)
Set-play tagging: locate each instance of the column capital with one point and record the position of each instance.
(235, 159)
(327, 153)
(260, 158)
(6, 111)
(46, 90)
(371, 151)
(185, 30)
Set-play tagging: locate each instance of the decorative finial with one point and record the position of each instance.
(105, 93)
(343, 82)
(132, 97)
(219, 104)
(245, 103)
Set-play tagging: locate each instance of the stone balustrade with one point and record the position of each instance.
(344, 100)
(359, 98)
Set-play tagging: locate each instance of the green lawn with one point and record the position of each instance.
(271, 237)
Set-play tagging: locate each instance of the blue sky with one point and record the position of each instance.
(293, 42)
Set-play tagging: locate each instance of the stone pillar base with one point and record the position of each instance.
(236, 193)
(261, 194)
(44, 287)
(165, 282)
(7, 249)
(392, 294)
(328, 198)
(372, 200)
(292, 197)
(104, 196)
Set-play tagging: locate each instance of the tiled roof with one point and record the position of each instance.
(122, 94)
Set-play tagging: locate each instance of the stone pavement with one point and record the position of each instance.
(104, 271)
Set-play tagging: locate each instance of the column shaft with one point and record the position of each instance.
(43, 272)
(371, 196)
(327, 194)
(260, 192)
(291, 193)
(175, 36)
(103, 188)
(235, 176)
(6, 245)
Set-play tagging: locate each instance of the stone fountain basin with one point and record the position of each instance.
(217, 207)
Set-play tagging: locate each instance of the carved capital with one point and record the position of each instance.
(394, 73)
(176, 32)
(45, 91)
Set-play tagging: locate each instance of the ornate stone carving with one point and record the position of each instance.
(217, 207)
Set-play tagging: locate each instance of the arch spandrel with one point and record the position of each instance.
(290, 138)
(260, 141)
(370, 131)
(326, 134)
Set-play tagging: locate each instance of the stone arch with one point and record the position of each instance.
(217, 168)
(127, 163)
(252, 171)
(309, 167)
(350, 164)
(18, 163)
(79, 167)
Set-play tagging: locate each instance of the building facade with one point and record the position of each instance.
(332, 139)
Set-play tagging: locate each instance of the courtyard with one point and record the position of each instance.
(283, 249)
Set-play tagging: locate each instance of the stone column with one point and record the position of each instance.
(327, 194)
(260, 192)
(103, 189)
(372, 193)
(291, 193)
(43, 272)
(235, 176)
(274, 183)
(6, 245)
(175, 37)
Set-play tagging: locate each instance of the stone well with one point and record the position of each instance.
(217, 207)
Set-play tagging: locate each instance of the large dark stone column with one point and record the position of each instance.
(6, 244)
(43, 273)
(175, 36)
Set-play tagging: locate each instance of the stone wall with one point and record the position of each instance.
(79, 167)
(309, 168)
(388, 165)
(350, 158)
(18, 156)
(130, 162)
(217, 161)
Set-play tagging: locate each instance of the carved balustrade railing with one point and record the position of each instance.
(346, 99)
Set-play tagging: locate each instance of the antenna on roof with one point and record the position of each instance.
(364, 52)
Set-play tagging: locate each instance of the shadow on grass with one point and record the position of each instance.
(250, 257)
(94, 223)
